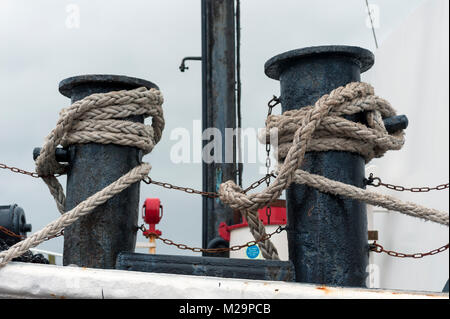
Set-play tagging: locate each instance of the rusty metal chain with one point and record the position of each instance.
(271, 104)
(149, 180)
(12, 234)
(189, 190)
(7, 232)
(19, 171)
(258, 182)
(27, 256)
(24, 172)
(216, 250)
(376, 182)
(377, 248)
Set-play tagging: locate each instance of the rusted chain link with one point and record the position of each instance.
(27, 256)
(7, 232)
(271, 104)
(19, 171)
(12, 234)
(149, 180)
(216, 250)
(376, 182)
(259, 182)
(22, 171)
(377, 248)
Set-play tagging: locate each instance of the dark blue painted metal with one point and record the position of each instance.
(327, 235)
(445, 287)
(61, 154)
(96, 239)
(207, 266)
(396, 123)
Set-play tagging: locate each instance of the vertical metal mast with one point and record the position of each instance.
(219, 106)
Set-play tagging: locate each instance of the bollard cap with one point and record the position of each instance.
(276, 65)
(112, 82)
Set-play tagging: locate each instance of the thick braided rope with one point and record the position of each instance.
(391, 203)
(98, 119)
(84, 208)
(95, 118)
(324, 116)
(336, 133)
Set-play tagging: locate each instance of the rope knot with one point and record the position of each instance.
(322, 127)
(333, 131)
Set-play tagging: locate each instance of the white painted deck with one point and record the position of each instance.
(23, 280)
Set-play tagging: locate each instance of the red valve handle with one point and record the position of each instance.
(152, 211)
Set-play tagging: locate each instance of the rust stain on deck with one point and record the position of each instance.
(324, 289)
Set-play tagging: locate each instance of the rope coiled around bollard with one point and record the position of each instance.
(97, 118)
(322, 127)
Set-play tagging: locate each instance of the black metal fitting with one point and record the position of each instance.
(12, 217)
(396, 123)
(61, 154)
(183, 66)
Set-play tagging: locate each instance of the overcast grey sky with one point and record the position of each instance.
(148, 39)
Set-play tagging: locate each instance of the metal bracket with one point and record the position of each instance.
(183, 66)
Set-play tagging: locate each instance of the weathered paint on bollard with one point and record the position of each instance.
(327, 235)
(95, 240)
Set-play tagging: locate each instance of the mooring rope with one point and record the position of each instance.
(322, 128)
(97, 118)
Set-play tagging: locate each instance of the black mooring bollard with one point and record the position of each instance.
(327, 235)
(95, 240)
